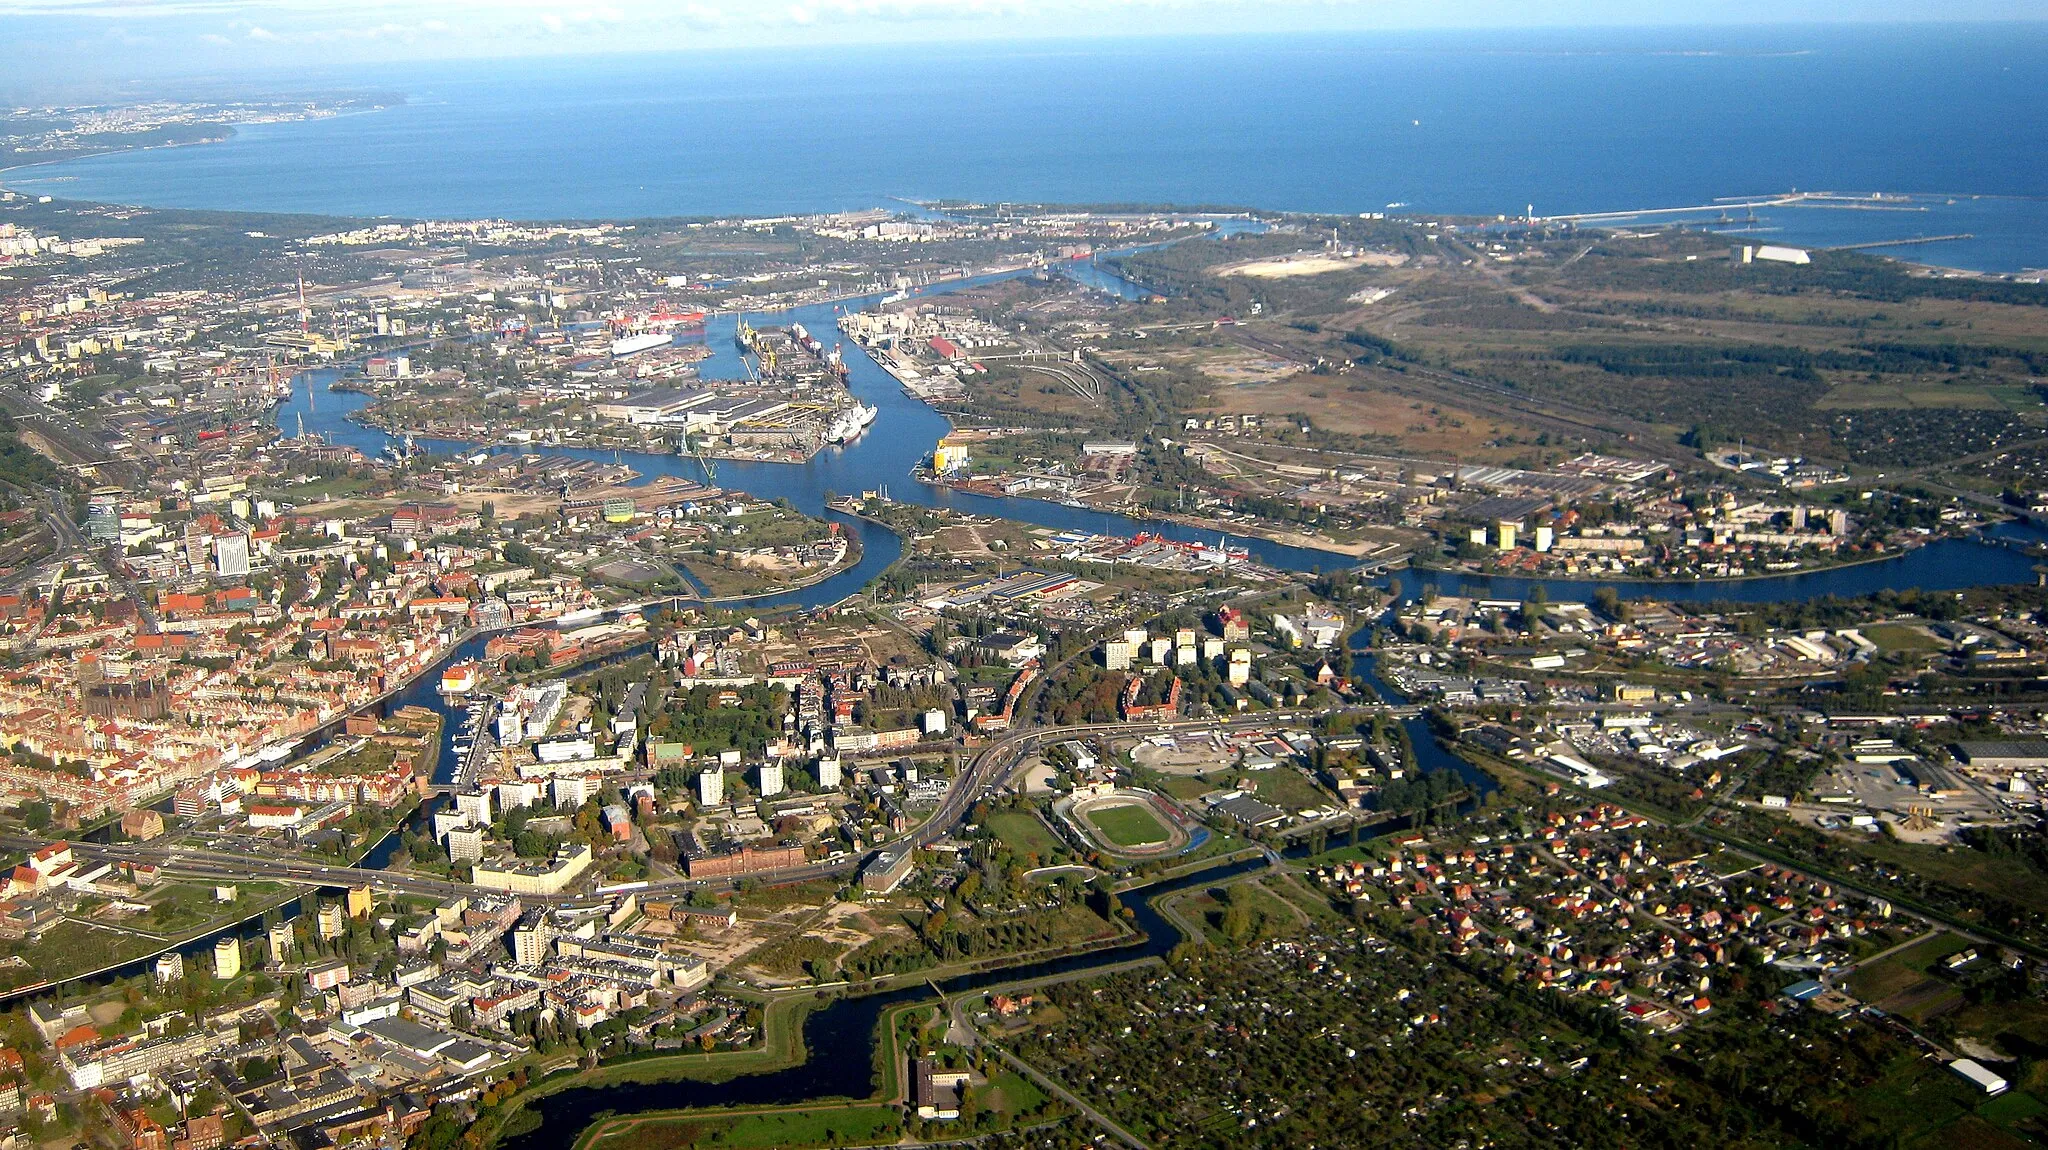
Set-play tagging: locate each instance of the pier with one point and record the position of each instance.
(1900, 243)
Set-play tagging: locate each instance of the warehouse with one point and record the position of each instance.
(2004, 754)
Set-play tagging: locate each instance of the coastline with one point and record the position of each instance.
(108, 152)
(232, 129)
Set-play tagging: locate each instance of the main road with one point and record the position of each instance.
(992, 767)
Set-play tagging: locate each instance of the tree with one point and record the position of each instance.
(1608, 600)
(1237, 917)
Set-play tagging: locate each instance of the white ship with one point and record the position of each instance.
(849, 424)
(628, 345)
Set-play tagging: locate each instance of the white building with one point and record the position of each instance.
(466, 844)
(566, 750)
(771, 780)
(711, 787)
(933, 722)
(571, 790)
(513, 795)
(477, 805)
(231, 554)
(1117, 654)
(828, 772)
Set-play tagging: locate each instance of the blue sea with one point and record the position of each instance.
(1470, 123)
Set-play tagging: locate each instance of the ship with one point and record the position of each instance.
(630, 344)
(678, 321)
(850, 423)
(828, 358)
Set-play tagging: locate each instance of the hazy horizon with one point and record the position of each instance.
(108, 49)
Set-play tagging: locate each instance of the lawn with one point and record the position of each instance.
(2011, 1107)
(1131, 826)
(1023, 833)
(1012, 1094)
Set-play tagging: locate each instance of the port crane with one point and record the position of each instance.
(704, 461)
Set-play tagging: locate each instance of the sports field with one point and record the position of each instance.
(1128, 826)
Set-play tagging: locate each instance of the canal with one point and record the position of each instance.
(841, 1037)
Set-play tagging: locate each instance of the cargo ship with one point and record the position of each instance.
(850, 423)
(832, 360)
(677, 321)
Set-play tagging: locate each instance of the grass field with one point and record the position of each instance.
(1901, 637)
(1287, 788)
(1023, 833)
(1131, 826)
(1012, 1093)
(1182, 786)
(1900, 984)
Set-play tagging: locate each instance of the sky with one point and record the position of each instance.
(82, 45)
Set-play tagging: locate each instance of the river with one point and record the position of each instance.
(883, 459)
(906, 430)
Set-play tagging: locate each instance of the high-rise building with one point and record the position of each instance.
(477, 805)
(828, 772)
(1117, 655)
(530, 939)
(571, 790)
(280, 941)
(227, 958)
(711, 787)
(466, 845)
(771, 780)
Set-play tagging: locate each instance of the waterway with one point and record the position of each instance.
(906, 429)
(833, 1033)
(883, 459)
